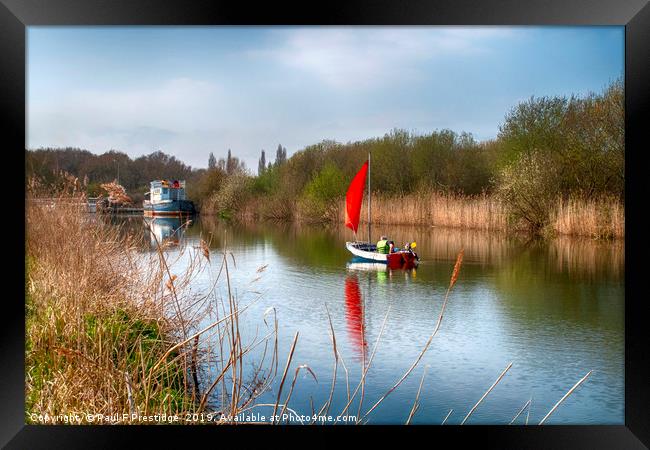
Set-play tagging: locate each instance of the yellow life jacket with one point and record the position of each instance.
(382, 246)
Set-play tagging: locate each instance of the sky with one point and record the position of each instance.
(189, 91)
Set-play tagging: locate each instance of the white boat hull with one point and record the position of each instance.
(353, 247)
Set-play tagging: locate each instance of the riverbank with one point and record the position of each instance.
(601, 218)
(89, 340)
(110, 330)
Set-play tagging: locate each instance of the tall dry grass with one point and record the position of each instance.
(480, 212)
(602, 218)
(597, 218)
(112, 330)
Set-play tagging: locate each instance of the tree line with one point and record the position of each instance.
(547, 148)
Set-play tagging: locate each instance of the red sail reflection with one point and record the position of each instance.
(354, 314)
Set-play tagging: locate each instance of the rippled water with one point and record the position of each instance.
(553, 309)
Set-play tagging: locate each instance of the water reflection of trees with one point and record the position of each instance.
(586, 258)
(547, 282)
(324, 246)
(578, 282)
(303, 245)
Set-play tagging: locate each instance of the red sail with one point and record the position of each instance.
(354, 198)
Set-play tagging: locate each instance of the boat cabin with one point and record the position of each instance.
(161, 190)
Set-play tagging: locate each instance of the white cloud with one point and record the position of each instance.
(178, 104)
(192, 116)
(358, 57)
(138, 119)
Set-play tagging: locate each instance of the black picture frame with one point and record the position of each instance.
(16, 15)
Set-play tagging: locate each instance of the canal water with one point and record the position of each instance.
(554, 309)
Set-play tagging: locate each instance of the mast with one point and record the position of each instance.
(369, 240)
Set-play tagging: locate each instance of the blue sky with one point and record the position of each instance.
(189, 91)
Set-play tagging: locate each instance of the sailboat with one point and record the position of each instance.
(367, 251)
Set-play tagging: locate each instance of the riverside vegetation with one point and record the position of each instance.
(555, 168)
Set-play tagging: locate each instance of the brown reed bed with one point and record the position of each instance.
(480, 212)
(600, 218)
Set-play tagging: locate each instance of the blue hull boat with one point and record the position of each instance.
(167, 198)
(169, 208)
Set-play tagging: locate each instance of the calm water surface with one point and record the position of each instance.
(553, 309)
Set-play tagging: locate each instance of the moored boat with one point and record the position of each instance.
(368, 251)
(397, 259)
(167, 198)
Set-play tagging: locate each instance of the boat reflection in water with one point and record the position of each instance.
(165, 231)
(384, 271)
(354, 314)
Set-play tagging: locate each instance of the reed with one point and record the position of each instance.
(526, 405)
(600, 218)
(113, 330)
(479, 212)
(416, 403)
(452, 281)
(471, 411)
(569, 392)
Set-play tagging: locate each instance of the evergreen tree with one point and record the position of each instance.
(212, 161)
(261, 167)
(229, 163)
(280, 155)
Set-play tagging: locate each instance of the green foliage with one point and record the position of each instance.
(203, 188)
(327, 186)
(582, 139)
(550, 148)
(267, 182)
(320, 195)
(128, 335)
(390, 165)
(529, 187)
(532, 126)
(94, 190)
(232, 194)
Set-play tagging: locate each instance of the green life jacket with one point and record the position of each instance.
(382, 246)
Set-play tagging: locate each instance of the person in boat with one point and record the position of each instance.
(385, 246)
(409, 246)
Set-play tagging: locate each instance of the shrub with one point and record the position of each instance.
(319, 200)
(233, 193)
(529, 188)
